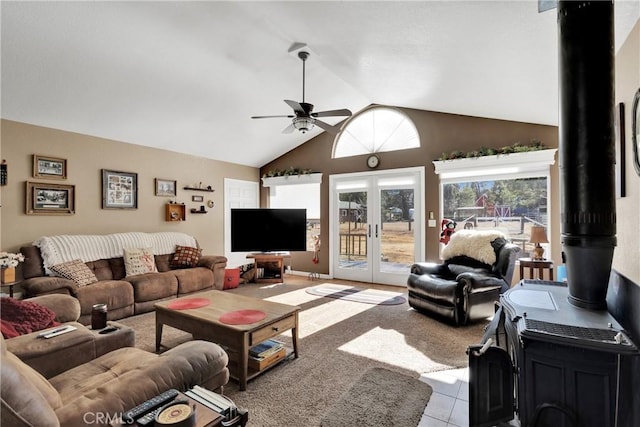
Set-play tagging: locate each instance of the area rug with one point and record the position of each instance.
(380, 398)
(338, 341)
(355, 294)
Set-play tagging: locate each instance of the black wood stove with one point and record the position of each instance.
(554, 355)
(555, 364)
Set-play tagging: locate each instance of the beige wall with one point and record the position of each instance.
(439, 133)
(626, 259)
(86, 156)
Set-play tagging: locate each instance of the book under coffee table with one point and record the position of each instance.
(204, 323)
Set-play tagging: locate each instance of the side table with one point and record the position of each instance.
(536, 264)
(10, 285)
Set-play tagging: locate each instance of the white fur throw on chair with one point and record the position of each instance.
(474, 244)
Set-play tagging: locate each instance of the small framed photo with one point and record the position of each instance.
(165, 187)
(49, 167)
(119, 190)
(50, 199)
(197, 198)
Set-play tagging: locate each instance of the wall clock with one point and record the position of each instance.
(635, 131)
(373, 161)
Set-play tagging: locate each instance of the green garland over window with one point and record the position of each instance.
(535, 145)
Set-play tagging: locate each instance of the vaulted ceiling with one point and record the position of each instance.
(187, 76)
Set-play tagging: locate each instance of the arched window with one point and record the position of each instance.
(375, 130)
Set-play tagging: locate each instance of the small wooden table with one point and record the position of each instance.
(203, 323)
(274, 275)
(536, 264)
(206, 417)
(10, 285)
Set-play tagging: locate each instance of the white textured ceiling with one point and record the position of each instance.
(187, 76)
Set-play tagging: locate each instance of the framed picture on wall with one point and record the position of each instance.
(197, 198)
(50, 199)
(165, 187)
(119, 190)
(49, 167)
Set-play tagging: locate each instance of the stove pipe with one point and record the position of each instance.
(586, 146)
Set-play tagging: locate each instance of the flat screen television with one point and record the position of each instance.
(268, 230)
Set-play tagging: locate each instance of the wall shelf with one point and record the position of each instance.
(174, 212)
(199, 189)
(198, 211)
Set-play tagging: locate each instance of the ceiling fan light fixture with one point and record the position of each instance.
(303, 124)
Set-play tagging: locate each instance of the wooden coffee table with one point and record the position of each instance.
(203, 324)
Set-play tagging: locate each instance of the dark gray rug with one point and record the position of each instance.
(356, 294)
(380, 398)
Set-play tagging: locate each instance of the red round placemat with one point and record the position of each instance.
(187, 303)
(242, 317)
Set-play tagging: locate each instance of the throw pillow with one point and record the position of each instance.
(185, 257)
(75, 270)
(139, 261)
(473, 243)
(23, 317)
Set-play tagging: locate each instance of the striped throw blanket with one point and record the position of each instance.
(58, 249)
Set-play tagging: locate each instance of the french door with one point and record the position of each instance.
(376, 225)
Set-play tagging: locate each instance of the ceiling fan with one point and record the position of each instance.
(304, 118)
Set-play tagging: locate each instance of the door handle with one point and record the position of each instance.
(369, 230)
(376, 231)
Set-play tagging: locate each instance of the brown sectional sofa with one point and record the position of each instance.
(124, 296)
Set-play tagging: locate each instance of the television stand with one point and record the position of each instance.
(271, 264)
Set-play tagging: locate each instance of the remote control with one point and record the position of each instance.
(148, 418)
(151, 404)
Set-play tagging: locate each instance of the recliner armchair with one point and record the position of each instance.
(462, 289)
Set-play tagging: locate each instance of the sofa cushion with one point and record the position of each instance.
(185, 257)
(77, 271)
(153, 286)
(24, 317)
(193, 279)
(139, 261)
(115, 293)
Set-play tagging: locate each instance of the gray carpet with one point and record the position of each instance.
(380, 398)
(338, 341)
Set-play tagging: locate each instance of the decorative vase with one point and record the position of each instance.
(8, 275)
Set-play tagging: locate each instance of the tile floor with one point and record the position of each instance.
(449, 403)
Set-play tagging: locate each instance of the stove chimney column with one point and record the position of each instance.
(587, 149)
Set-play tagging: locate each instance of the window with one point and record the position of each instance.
(507, 192)
(377, 129)
(295, 192)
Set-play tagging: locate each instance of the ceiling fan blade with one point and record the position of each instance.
(288, 129)
(343, 112)
(296, 106)
(271, 117)
(326, 126)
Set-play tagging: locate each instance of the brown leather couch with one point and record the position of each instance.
(51, 357)
(124, 296)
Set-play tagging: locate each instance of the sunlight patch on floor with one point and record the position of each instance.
(323, 316)
(389, 346)
(297, 297)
